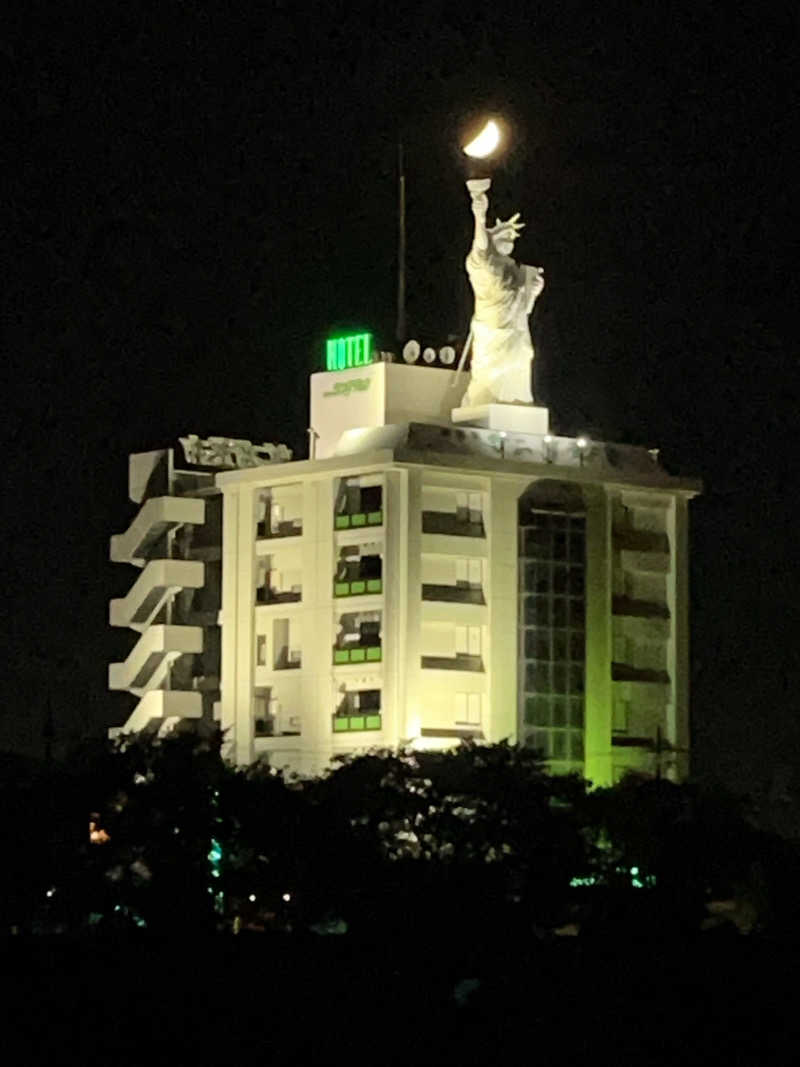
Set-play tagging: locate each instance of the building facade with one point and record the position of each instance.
(417, 582)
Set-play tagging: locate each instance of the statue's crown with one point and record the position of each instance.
(511, 227)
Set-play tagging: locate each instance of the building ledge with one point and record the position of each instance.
(623, 672)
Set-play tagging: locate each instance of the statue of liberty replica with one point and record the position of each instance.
(505, 292)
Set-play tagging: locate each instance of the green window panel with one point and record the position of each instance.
(358, 520)
(374, 653)
(375, 518)
(358, 587)
(357, 655)
(374, 585)
(342, 522)
(341, 655)
(341, 588)
(347, 723)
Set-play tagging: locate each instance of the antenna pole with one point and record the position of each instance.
(400, 328)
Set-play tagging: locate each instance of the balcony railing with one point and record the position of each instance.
(358, 587)
(453, 594)
(288, 660)
(358, 520)
(357, 654)
(350, 723)
(290, 528)
(641, 609)
(269, 596)
(446, 522)
(461, 662)
(269, 726)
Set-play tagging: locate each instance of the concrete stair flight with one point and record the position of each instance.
(152, 655)
(155, 517)
(163, 704)
(160, 579)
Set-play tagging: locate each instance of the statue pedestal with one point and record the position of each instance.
(508, 418)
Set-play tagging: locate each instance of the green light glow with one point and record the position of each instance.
(353, 350)
(215, 858)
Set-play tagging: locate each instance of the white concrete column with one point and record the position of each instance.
(396, 594)
(317, 670)
(229, 618)
(502, 596)
(245, 644)
(412, 696)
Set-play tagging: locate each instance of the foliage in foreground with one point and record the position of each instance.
(386, 840)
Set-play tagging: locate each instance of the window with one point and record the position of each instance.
(272, 718)
(552, 625)
(279, 511)
(286, 645)
(468, 640)
(452, 579)
(449, 647)
(467, 707)
(359, 502)
(452, 512)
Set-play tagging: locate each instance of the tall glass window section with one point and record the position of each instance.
(552, 551)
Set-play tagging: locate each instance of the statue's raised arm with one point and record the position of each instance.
(480, 206)
(505, 292)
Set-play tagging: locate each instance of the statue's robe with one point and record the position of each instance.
(502, 351)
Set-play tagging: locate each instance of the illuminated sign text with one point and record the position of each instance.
(342, 353)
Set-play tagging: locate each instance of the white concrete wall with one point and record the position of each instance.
(416, 699)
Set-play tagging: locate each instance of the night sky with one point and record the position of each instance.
(194, 195)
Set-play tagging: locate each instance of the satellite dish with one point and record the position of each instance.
(411, 351)
(429, 355)
(447, 355)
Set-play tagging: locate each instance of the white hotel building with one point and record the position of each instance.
(417, 582)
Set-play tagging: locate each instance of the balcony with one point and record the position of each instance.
(357, 654)
(358, 520)
(452, 524)
(358, 587)
(453, 594)
(356, 722)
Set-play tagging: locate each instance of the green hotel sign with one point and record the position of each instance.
(354, 350)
